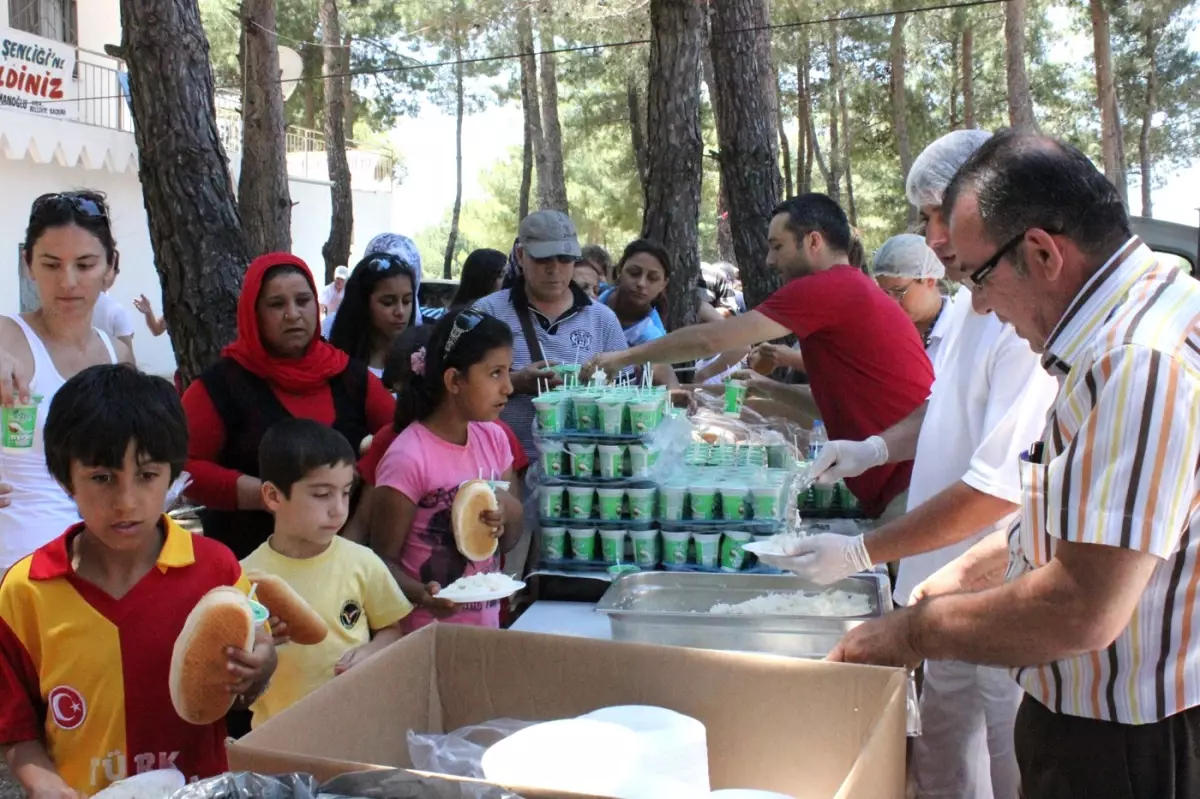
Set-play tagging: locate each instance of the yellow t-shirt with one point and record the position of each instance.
(348, 586)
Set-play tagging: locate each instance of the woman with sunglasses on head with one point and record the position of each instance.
(278, 368)
(908, 272)
(69, 253)
(401, 247)
(447, 434)
(377, 305)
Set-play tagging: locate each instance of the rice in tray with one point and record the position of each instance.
(799, 603)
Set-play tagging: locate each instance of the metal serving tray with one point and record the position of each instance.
(672, 608)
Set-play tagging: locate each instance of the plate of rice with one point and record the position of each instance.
(483, 587)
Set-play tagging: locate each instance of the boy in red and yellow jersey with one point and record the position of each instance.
(88, 622)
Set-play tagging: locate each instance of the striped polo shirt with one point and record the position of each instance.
(587, 328)
(88, 675)
(1118, 467)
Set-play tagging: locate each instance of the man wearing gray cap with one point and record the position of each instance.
(552, 319)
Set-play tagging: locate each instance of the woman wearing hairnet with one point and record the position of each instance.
(908, 272)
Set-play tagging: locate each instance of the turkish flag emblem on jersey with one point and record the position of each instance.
(67, 707)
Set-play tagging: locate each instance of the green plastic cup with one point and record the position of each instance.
(643, 416)
(551, 417)
(675, 547)
(586, 414)
(733, 557)
(670, 502)
(735, 397)
(849, 501)
(641, 503)
(823, 495)
(583, 459)
(554, 543)
(582, 498)
(647, 548)
(611, 411)
(612, 546)
(583, 543)
(550, 502)
(777, 456)
(766, 501)
(704, 498)
(733, 502)
(612, 460)
(639, 460)
(567, 372)
(552, 458)
(611, 500)
(19, 424)
(708, 548)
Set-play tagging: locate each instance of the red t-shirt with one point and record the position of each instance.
(368, 464)
(865, 364)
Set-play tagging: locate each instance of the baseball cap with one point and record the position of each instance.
(342, 272)
(545, 234)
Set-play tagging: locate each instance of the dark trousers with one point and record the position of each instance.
(1067, 757)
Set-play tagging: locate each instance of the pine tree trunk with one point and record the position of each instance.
(954, 120)
(1147, 117)
(347, 87)
(804, 118)
(534, 151)
(336, 249)
(264, 199)
(851, 210)
(675, 148)
(968, 77)
(1112, 145)
(785, 149)
(833, 181)
(1020, 103)
(898, 57)
(724, 233)
(200, 252)
(815, 146)
(741, 54)
(554, 190)
(311, 86)
(637, 136)
(452, 240)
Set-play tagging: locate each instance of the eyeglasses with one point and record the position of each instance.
(977, 277)
(465, 322)
(898, 294)
(81, 204)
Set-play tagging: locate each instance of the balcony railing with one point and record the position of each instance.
(102, 90)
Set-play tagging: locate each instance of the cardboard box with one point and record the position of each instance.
(797, 727)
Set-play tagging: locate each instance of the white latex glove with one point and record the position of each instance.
(841, 459)
(823, 558)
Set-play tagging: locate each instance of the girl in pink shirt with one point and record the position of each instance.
(445, 417)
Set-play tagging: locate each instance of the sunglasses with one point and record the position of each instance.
(384, 262)
(79, 203)
(465, 322)
(555, 259)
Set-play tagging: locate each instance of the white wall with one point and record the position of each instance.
(99, 23)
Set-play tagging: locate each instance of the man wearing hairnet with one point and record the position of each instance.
(989, 400)
(908, 272)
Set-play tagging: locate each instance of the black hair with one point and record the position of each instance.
(856, 254)
(397, 368)
(649, 247)
(600, 257)
(85, 208)
(291, 449)
(479, 274)
(351, 331)
(1025, 181)
(98, 412)
(820, 213)
(281, 270)
(421, 395)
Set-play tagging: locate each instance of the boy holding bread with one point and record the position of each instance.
(333, 602)
(89, 622)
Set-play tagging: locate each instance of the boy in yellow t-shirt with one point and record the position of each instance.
(307, 472)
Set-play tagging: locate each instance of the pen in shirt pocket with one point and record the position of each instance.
(1035, 453)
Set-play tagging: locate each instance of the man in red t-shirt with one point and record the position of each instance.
(866, 366)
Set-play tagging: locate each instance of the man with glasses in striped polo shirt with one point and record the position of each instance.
(1091, 597)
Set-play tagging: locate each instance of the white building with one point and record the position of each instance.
(84, 139)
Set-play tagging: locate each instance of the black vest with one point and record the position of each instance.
(248, 407)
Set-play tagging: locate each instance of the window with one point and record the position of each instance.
(50, 19)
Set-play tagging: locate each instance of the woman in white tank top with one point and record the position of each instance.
(69, 251)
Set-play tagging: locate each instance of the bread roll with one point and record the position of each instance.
(304, 626)
(473, 537)
(199, 666)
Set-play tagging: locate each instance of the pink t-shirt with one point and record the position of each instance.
(428, 470)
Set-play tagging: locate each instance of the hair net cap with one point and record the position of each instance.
(907, 255)
(935, 166)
